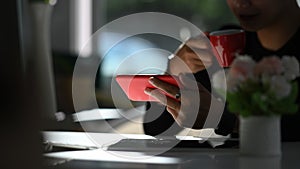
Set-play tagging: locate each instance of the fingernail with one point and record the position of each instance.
(151, 80)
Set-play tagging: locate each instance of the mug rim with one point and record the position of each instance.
(226, 32)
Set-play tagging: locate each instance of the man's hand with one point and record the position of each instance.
(191, 109)
(191, 57)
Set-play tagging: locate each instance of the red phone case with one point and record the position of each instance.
(134, 85)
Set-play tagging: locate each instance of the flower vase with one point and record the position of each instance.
(260, 136)
(40, 62)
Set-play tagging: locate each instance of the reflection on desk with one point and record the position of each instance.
(110, 156)
(196, 158)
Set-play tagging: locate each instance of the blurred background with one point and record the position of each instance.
(208, 15)
(74, 23)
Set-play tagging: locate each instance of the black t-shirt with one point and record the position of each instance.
(290, 124)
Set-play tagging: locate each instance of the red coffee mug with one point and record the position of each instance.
(227, 43)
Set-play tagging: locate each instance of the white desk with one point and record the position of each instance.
(195, 158)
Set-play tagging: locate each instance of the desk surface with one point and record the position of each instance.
(191, 158)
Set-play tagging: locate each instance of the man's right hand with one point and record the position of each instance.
(191, 57)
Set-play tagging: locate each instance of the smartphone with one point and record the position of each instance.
(134, 85)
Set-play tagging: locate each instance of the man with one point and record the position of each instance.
(272, 29)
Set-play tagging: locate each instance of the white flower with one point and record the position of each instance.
(291, 67)
(280, 86)
(269, 66)
(240, 70)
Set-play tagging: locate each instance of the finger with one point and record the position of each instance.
(164, 86)
(155, 93)
(165, 100)
(199, 42)
(191, 58)
(173, 112)
(190, 62)
(201, 54)
(195, 65)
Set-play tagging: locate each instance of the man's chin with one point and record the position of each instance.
(250, 27)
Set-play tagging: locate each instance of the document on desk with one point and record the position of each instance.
(132, 142)
(171, 144)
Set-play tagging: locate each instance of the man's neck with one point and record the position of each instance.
(277, 35)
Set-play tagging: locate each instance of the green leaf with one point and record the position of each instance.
(233, 102)
(288, 104)
(254, 98)
(294, 93)
(258, 100)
